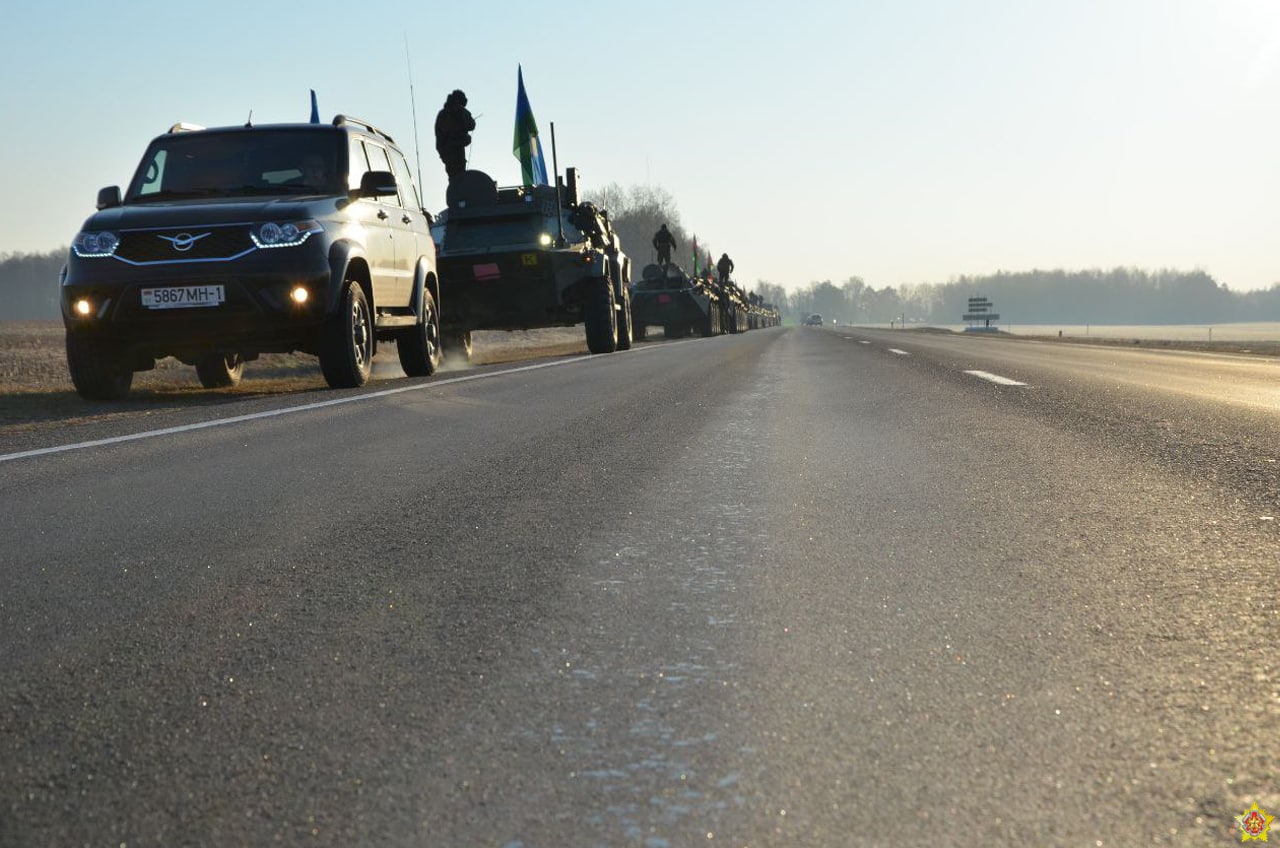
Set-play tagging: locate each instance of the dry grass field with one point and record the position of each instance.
(35, 389)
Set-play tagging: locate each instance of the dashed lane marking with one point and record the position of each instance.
(899, 352)
(995, 378)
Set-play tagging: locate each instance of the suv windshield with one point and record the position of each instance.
(241, 163)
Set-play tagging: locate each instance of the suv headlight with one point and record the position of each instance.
(87, 244)
(287, 234)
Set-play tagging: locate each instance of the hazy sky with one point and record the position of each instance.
(902, 141)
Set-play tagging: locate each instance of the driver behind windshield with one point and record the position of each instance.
(315, 172)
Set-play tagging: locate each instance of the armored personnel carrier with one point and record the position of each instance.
(682, 304)
(760, 314)
(529, 257)
(769, 316)
(734, 310)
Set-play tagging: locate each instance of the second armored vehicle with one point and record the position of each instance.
(666, 295)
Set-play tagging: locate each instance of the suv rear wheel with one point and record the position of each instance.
(99, 369)
(346, 346)
(220, 371)
(419, 348)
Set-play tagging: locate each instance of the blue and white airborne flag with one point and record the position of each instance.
(525, 146)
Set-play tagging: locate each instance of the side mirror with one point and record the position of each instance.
(108, 197)
(377, 184)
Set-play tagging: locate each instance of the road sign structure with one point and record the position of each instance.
(980, 316)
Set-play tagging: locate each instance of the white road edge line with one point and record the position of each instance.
(899, 352)
(995, 378)
(306, 407)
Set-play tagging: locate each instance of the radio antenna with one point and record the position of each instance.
(413, 104)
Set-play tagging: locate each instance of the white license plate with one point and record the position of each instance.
(179, 297)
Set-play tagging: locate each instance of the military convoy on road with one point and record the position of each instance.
(238, 241)
(683, 305)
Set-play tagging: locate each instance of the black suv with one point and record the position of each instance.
(238, 241)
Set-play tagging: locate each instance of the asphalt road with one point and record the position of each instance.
(798, 587)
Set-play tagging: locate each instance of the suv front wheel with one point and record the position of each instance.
(346, 347)
(99, 369)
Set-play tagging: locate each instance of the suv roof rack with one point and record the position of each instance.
(339, 120)
(183, 126)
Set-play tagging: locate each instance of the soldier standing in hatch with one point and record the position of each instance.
(664, 243)
(453, 133)
(725, 267)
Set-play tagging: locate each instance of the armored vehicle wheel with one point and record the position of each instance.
(419, 347)
(99, 370)
(600, 317)
(625, 331)
(458, 344)
(346, 346)
(221, 370)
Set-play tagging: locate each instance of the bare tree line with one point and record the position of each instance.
(29, 284)
(638, 211)
(1116, 296)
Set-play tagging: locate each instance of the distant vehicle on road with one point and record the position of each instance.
(814, 320)
(233, 242)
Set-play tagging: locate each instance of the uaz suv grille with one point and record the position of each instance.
(190, 244)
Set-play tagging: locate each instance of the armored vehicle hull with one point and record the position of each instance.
(734, 309)
(681, 304)
(529, 257)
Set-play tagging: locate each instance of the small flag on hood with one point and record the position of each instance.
(525, 145)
